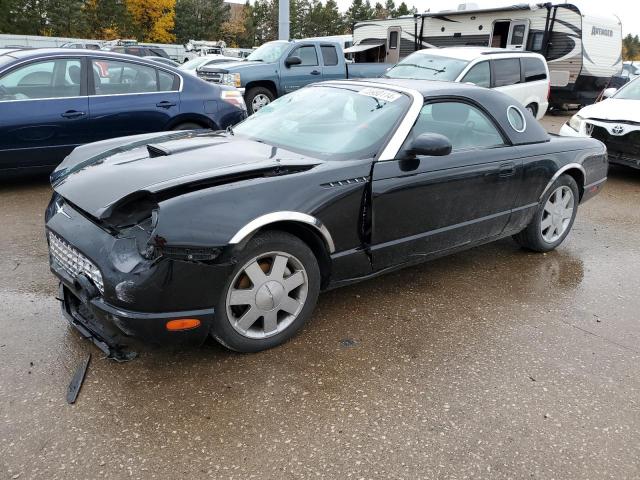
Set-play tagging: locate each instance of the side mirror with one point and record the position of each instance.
(609, 92)
(292, 61)
(432, 144)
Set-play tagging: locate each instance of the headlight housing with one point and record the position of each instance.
(231, 79)
(234, 97)
(576, 122)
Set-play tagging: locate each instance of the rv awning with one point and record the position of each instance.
(362, 48)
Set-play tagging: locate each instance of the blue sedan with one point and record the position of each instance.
(52, 100)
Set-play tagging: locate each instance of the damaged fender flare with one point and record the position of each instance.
(254, 225)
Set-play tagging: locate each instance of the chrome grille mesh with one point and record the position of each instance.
(72, 261)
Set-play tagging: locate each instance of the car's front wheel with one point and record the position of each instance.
(270, 294)
(257, 98)
(554, 218)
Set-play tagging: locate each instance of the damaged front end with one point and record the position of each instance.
(120, 281)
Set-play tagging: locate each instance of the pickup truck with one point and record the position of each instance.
(280, 67)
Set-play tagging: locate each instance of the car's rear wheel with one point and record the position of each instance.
(554, 218)
(257, 98)
(270, 294)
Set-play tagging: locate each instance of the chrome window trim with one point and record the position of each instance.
(41, 59)
(391, 149)
(90, 58)
(284, 216)
(524, 120)
(134, 60)
(560, 172)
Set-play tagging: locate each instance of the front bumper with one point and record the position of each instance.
(621, 150)
(118, 332)
(136, 297)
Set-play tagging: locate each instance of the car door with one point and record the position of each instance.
(478, 74)
(332, 68)
(426, 205)
(44, 109)
(127, 98)
(309, 71)
(507, 78)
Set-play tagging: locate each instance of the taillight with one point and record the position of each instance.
(234, 97)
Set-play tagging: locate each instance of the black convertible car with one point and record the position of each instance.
(173, 237)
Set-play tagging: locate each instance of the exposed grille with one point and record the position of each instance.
(628, 144)
(72, 261)
(210, 76)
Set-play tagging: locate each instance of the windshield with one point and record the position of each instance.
(194, 63)
(428, 67)
(333, 123)
(631, 91)
(269, 52)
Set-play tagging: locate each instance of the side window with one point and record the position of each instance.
(479, 74)
(115, 77)
(534, 69)
(393, 40)
(47, 79)
(307, 54)
(536, 41)
(507, 72)
(464, 125)
(329, 55)
(517, 35)
(167, 81)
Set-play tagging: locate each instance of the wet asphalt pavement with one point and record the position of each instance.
(492, 363)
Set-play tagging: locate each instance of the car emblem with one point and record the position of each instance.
(617, 130)
(60, 210)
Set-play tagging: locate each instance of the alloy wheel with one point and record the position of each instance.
(259, 101)
(557, 214)
(267, 295)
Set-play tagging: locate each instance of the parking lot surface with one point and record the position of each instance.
(492, 363)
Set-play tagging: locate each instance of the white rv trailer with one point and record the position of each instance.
(583, 51)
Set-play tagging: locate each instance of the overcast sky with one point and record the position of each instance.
(627, 10)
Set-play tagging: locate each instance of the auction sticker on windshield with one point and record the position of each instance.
(380, 93)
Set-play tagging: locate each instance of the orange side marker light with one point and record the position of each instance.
(182, 324)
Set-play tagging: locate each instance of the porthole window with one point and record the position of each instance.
(442, 29)
(516, 119)
(479, 27)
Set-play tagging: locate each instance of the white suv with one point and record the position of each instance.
(521, 75)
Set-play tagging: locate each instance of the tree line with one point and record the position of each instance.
(168, 21)
(631, 47)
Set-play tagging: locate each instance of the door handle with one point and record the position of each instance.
(165, 104)
(71, 114)
(315, 72)
(507, 169)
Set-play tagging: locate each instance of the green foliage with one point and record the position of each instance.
(631, 47)
(162, 20)
(200, 19)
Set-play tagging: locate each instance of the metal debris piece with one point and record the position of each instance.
(76, 381)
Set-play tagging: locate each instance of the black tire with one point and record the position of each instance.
(254, 92)
(532, 236)
(533, 109)
(188, 126)
(263, 243)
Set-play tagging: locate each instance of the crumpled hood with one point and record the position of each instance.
(613, 109)
(97, 176)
